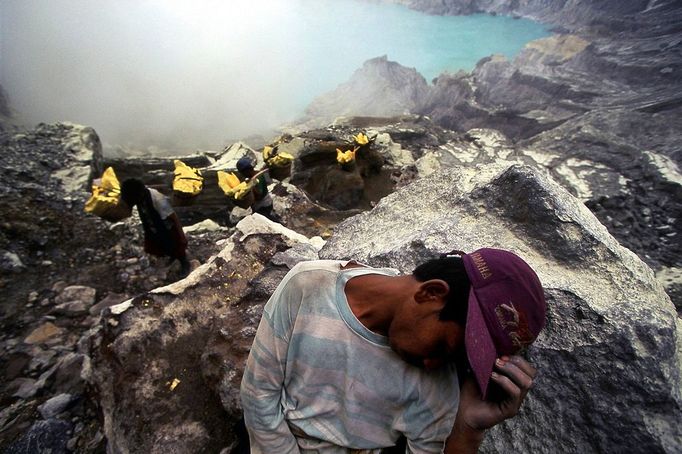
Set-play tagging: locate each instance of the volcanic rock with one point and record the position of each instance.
(67, 378)
(43, 333)
(611, 345)
(379, 88)
(55, 405)
(80, 293)
(110, 300)
(10, 262)
(609, 14)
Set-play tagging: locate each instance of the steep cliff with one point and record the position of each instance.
(613, 14)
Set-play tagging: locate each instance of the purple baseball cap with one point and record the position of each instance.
(506, 309)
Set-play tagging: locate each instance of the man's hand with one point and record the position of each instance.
(514, 375)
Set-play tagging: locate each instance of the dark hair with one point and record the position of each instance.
(450, 269)
(244, 165)
(133, 191)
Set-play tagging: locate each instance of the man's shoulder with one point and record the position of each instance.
(156, 194)
(311, 279)
(313, 272)
(161, 203)
(322, 266)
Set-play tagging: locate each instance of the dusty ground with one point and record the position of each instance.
(65, 247)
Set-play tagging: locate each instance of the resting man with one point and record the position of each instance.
(349, 358)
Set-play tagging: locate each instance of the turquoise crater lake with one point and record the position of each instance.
(344, 34)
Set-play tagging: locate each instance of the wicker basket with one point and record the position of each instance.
(183, 199)
(348, 166)
(246, 201)
(117, 212)
(280, 172)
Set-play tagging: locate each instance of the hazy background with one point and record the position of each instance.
(167, 73)
(199, 74)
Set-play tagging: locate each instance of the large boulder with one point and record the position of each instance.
(60, 159)
(610, 355)
(44, 182)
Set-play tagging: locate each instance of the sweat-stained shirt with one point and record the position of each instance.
(317, 380)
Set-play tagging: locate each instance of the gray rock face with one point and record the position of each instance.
(44, 182)
(610, 355)
(60, 157)
(379, 88)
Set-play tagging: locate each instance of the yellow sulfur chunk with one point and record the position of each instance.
(187, 180)
(343, 157)
(276, 159)
(105, 193)
(231, 185)
(227, 181)
(361, 139)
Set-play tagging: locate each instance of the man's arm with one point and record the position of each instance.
(261, 388)
(474, 416)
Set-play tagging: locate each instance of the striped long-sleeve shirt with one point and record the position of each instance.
(317, 380)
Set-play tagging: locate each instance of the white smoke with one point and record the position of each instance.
(170, 73)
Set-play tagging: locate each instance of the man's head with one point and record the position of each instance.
(490, 301)
(450, 269)
(245, 166)
(133, 191)
(428, 328)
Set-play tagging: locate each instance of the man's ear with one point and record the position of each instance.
(432, 290)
